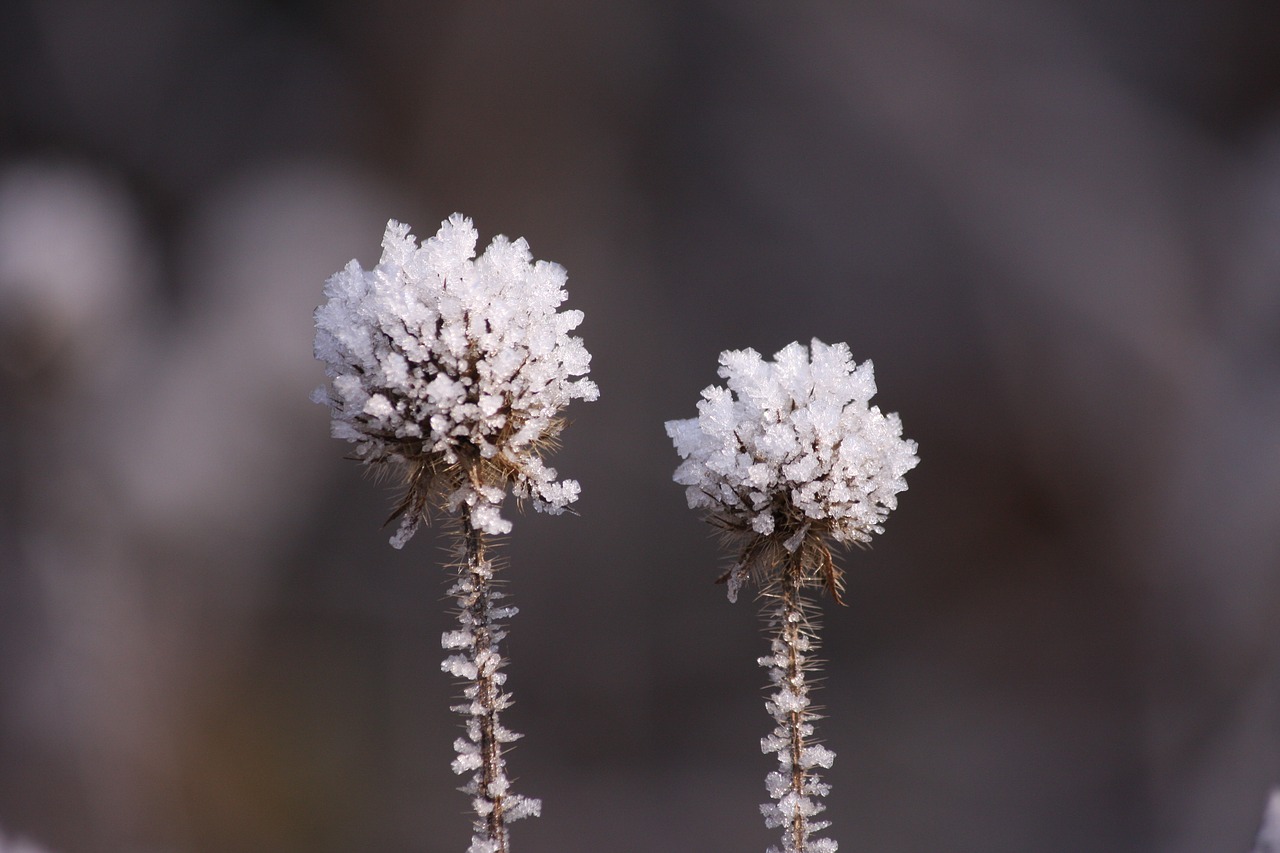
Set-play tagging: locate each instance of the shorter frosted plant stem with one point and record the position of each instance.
(480, 664)
(787, 457)
(794, 786)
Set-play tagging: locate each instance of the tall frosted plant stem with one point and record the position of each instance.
(480, 618)
(453, 368)
(794, 785)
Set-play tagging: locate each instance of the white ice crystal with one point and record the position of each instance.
(480, 752)
(448, 361)
(792, 449)
(795, 786)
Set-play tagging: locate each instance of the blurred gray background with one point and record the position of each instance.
(1051, 223)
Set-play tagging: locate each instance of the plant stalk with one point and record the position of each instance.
(795, 786)
(479, 608)
(794, 639)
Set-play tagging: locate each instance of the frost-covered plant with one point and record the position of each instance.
(456, 368)
(789, 456)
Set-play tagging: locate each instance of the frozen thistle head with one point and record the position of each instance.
(455, 366)
(791, 454)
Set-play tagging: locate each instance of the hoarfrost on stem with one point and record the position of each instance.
(457, 366)
(480, 753)
(795, 787)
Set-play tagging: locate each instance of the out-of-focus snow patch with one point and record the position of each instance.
(1269, 835)
(18, 845)
(72, 265)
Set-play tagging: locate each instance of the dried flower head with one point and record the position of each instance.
(791, 454)
(456, 366)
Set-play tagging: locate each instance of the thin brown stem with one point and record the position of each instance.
(478, 663)
(795, 786)
(490, 781)
(793, 637)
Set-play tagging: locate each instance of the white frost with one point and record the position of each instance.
(436, 352)
(789, 706)
(479, 666)
(794, 439)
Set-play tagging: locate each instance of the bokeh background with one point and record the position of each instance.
(1053, 224)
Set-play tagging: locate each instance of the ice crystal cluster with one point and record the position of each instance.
(455, 365)
(791, 452)
(795, 786)
(479, 662)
